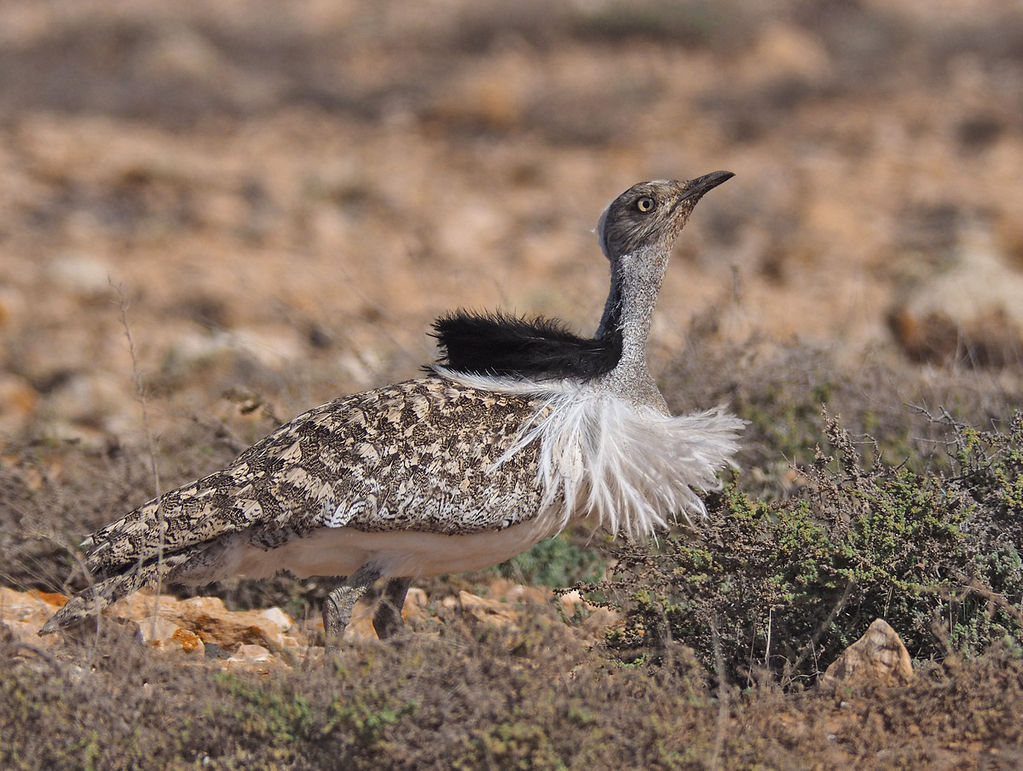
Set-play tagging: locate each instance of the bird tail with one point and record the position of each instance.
(102, 594)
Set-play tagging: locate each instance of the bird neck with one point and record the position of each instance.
(635, 282)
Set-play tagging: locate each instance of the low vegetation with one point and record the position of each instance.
(726, 624)
(779, 588)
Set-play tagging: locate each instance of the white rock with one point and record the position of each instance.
(277, 616)
(80, 274)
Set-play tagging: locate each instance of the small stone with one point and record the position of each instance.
(205, 617)
(596, 620)
(26, 607)
(180, 52)
(80, 274)
(360, 627)
(509, 591)
(26, 632)
(211, 621)
(487, 611)
(214, 651)
(160, 633)
(247, 652)
(18, 402)
(416, 597)
(277, 616)
(155, 630)
(971, 314)
(877, 657)
(189, 641)
(414, 610)
(572, 602)
(271, 348)
(92, 398)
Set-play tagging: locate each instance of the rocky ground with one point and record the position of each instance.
(213, 216)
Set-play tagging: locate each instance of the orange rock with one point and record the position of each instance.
(51, 598)
(414, 611)
(509, 591)
(189, 641)
(292, 641)
(140, 605)
(224, 627)
(208, 619)
(156, 631)
(361, 625)
(491, 612)
(251, 653)
(24, 606)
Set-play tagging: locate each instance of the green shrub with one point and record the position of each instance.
(558, 562)
(785, 585)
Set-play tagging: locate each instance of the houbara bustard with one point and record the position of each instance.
(522, 429)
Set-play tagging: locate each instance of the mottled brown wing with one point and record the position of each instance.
(417, 455)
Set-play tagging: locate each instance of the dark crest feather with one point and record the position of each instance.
(540, 348)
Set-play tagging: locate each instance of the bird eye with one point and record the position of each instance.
(645, 204)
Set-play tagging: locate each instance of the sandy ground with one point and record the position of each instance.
(213, 216)
(299, 189)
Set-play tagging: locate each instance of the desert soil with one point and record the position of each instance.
(213, 216)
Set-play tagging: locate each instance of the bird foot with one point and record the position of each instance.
(387, 620)
(339, 604)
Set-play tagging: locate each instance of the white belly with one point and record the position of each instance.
(400, 553)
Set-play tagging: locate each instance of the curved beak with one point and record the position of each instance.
(695, 189)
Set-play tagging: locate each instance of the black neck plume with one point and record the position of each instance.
(536, 349)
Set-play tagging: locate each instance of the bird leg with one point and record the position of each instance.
(337, 608)
(387, 619)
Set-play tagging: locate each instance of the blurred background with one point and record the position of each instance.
(214, 215)
(276, 198)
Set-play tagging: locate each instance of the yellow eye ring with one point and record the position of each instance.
(645, 204)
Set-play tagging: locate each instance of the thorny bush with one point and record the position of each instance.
(781, 587)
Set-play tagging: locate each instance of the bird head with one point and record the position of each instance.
(652, 213)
